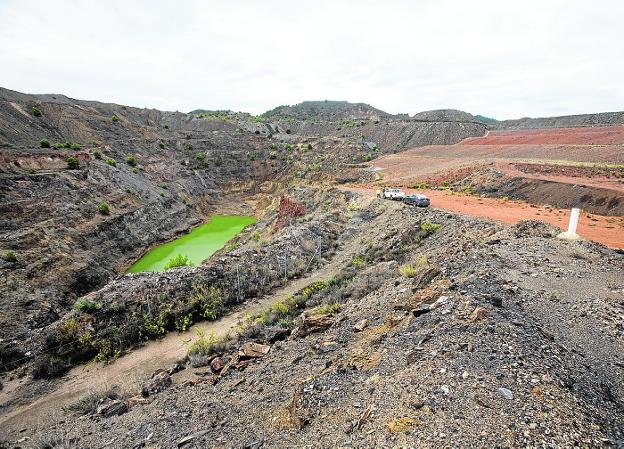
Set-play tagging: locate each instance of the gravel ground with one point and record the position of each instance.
(503, 337)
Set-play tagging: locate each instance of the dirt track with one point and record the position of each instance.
(606, 230)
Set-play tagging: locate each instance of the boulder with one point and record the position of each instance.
(254, 350)
(111, 407)
(159, 381)
(360, 325)
(312, 324)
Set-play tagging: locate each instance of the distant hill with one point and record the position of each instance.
(444, 115)
(326, 110)
(484, 119)
(565, 121)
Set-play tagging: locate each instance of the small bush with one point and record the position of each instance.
(49, 366)
(273, 155)
(181, 260)
(72, 163)
(309, 146)
(104, 209)
(420, 185)
(111, 162)
(445, 185)
(359, 262)
(429, 228)
(201, 350)
(200, 156)
(44, 143)
(161, 145)
(208, 301)
(10, 256)
(74, 146)
(408, 270)
(94, 143)
(36, 112)
(87, 306)
(131, 161)
(114, 118)
(327, 309)
(97, 155)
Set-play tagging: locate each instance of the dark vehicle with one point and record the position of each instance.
(416, 199)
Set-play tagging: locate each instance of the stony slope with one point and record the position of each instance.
(503, 337)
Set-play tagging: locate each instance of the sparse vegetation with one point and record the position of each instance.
(72, 163)
(200, 156)
(131, 161)
(111, 162)
(115, 118)
(97, 155)
(180, 260)
(44, 143)
(327, 309)
(408, 270)
(359, 262)
(429, 227)
(205, 346)
(104, 209)
(36, 111)
(87, 306)
(10, 256)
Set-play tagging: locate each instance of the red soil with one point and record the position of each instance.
(606, 230)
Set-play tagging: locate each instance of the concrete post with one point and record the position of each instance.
(571, 234)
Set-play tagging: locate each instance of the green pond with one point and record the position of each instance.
(198, 245)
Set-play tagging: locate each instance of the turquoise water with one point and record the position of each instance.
(199, 244)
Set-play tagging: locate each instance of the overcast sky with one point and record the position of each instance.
(505, 59)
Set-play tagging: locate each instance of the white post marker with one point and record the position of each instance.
(571, 234)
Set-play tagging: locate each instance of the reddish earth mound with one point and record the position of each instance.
(599, 135)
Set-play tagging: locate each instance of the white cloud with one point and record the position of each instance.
(498, 58)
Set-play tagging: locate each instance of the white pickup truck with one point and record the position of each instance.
(392, 194)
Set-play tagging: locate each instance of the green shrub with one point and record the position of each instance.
(359, 262)
(445, 184)
(429, 227)
(183, 322)
(74, 146)
(36, 112)
(111, 162)
(104, 209)
(161, 145)
(408, 270)
(44, 143)
(200, 156)
(131, 161)
(72, 163)
(114, 118)
(420, 185)
(94, 143)
(97, 155)
(288, 147)
(205, 346)
(273, 155)
(180, 260)
(10, 256)
(49, 366)
(209, 302)
(367, 158)
(31, 171)
(327, 309)
(189, 146)
(87, 306)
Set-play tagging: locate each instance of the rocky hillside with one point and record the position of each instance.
(566, 121)
(429, 327)
(87, 187)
